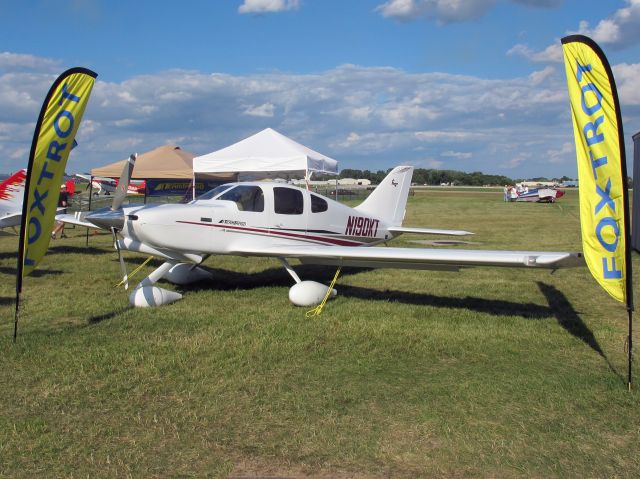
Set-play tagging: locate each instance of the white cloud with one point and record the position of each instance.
(436, 136)
(361, 113)
(444, 11)
(448, 11)
(370, 142)
(565, 154)
(19, 154)
(626, 76)
(118, 145)
(516, 161)
(620, 30)
(400, 9)
(406, 113)
(268, 6)
(540, 76)
(21, 62)
(551, 54)
(428, 163)
(371, 118)
(539, 3)
(266, 110)
(458, 155)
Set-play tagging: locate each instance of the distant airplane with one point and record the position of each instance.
(107, 186)
(540, 195)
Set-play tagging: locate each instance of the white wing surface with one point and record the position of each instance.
(428, 231)
(76, 219)
(416, 258)
(12, 219)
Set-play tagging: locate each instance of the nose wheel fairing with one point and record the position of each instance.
(146, 294)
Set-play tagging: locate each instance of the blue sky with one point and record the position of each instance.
(473, 85)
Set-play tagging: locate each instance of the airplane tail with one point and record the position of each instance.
(12, 192)
(389, 200)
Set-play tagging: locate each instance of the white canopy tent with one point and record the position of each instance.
(267, 154)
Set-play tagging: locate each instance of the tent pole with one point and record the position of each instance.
(90, 196)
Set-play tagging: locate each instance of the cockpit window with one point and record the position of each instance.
(288, 201)
(214, 192)
(318, 205)
(246, 197)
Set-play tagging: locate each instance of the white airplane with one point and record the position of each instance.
(284, 222)
(11, 195)
(106, 186)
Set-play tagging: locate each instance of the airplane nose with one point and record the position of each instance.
(107, 218)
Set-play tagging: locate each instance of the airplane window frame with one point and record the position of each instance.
(318, 200)
(284, 206)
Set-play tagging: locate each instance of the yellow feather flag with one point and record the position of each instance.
(602, 172)
(52, 141)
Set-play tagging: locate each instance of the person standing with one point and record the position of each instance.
(63, 202)
(513, 194)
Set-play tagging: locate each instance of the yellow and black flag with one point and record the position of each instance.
(53, 139)
(602, 171)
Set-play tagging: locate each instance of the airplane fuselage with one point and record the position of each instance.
(244, 213)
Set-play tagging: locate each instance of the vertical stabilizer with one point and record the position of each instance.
(389, 200)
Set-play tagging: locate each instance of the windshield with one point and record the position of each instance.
(246, 197)
(214, 192)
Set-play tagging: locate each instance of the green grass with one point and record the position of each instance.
(482, 373)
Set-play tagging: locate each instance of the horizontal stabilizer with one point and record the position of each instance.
(427, 231)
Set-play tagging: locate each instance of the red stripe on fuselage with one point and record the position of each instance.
(301, 237)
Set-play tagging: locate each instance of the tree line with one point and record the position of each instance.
(423, 176)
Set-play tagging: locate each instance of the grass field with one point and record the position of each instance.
(483, 373)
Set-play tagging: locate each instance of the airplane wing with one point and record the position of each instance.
(415, 258)
(429, 231)
(104, 179)
(12, 219)
(76, 219)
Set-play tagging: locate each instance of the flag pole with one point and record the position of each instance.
(15, 318)
(630, 349)
(627, 230)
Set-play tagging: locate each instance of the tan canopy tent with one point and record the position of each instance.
(167, 170)
(165, 162)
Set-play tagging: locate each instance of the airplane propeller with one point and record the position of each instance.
(112, 218)
(123, 183)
